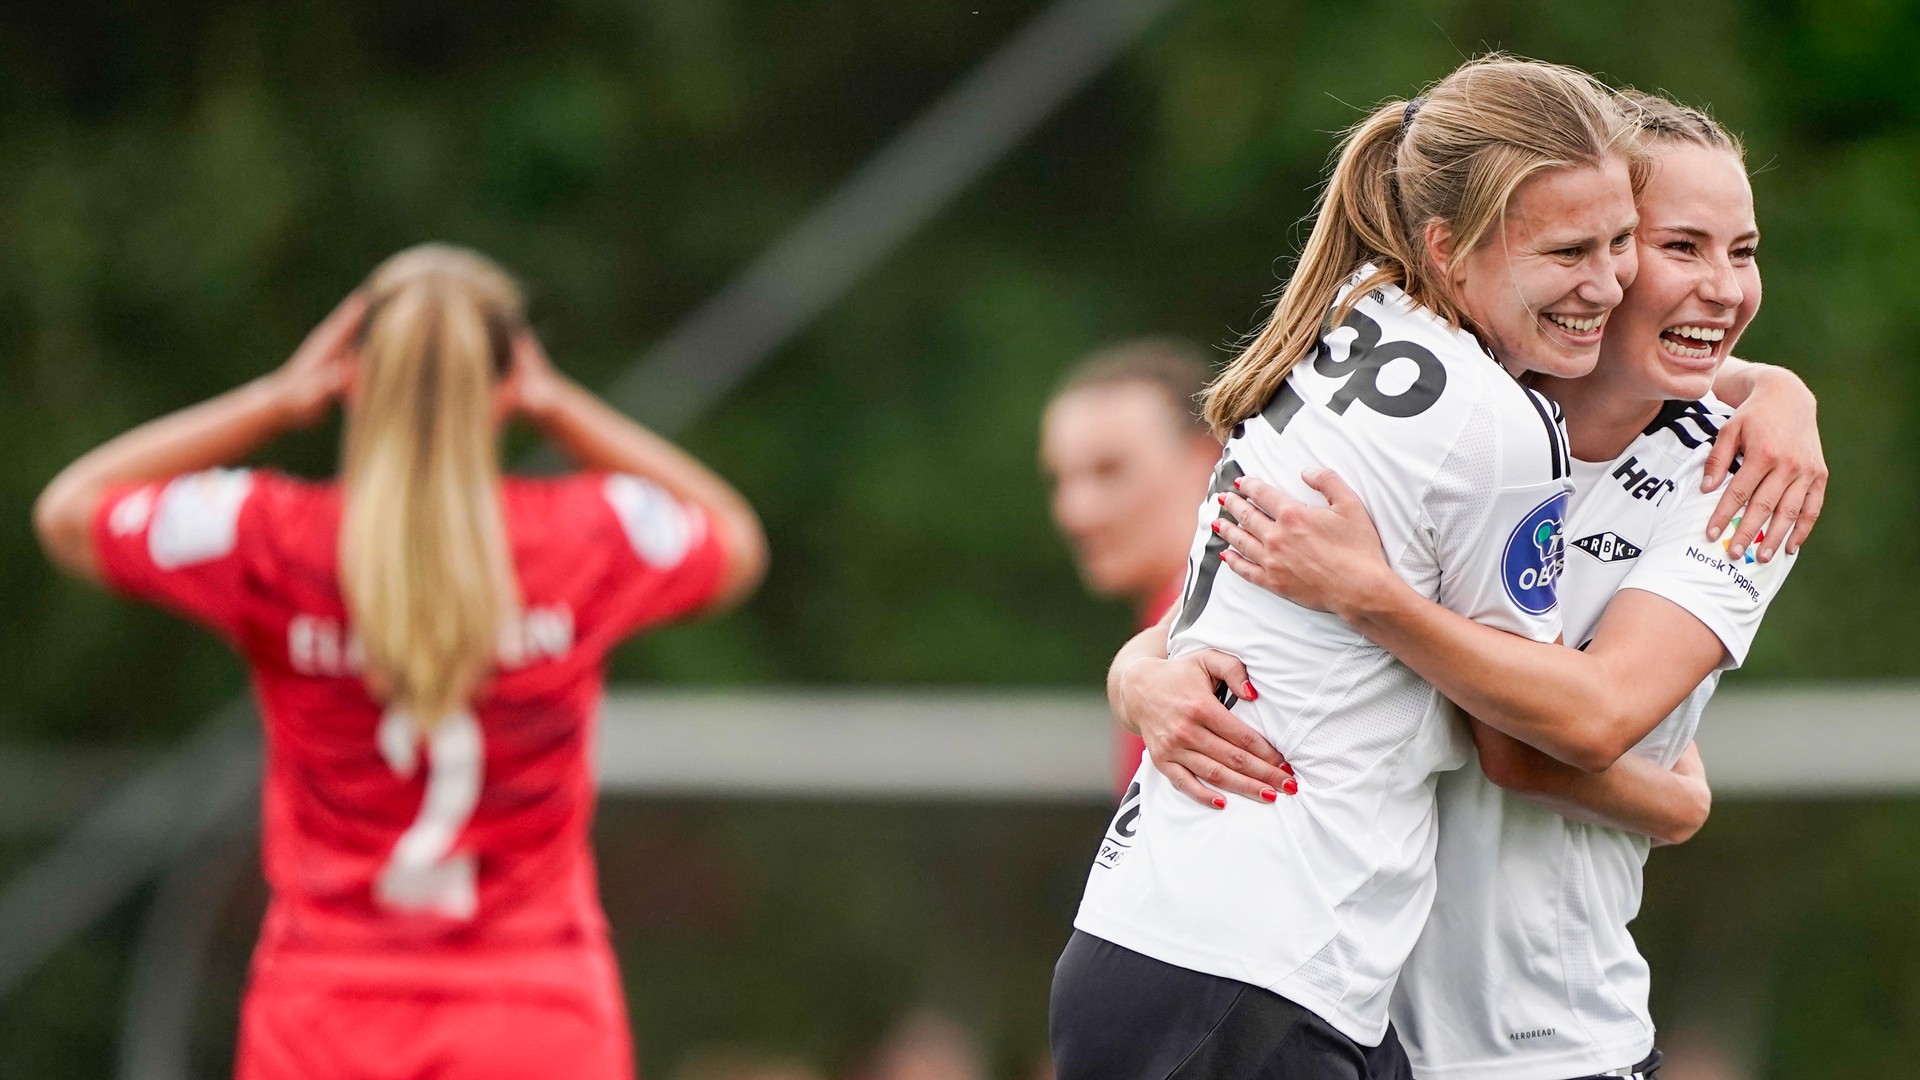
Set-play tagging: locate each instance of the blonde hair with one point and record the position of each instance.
(1662, 119)
(424, 564)
(1455, 154)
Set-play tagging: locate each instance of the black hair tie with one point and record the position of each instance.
(1406, 117)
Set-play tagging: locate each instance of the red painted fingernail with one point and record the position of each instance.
(1267, 794)
(1219, 803)
(1247, 692)
(1215, 526)
(1291, 787)
(1236, 483)
(1222, 500)
(1287, 767)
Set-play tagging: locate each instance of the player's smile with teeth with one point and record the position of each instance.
(1580, 326)
(1692, 342)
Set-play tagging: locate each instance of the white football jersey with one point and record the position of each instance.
(1526, 970)
(1320, 897)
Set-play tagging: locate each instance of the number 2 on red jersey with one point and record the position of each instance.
(424, 873)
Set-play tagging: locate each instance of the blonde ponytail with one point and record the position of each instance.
(1456, 154)
(424, 562)
(1355, 222)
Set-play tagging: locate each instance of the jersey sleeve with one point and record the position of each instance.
(667, 557)
(1730, 595)
(1497, 510)
(179, 543)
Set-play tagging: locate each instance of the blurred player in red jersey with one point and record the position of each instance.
(427, 641)
(1128, 458)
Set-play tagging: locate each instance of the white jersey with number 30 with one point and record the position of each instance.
(1320, 897)
(1526, 970)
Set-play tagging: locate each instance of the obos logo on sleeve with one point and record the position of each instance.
(1536, 550)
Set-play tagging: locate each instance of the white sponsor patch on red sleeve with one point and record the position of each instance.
(659, 528)
(130, 514)
(196, 517)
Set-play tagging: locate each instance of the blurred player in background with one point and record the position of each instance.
(427, 642)
(1127, 456)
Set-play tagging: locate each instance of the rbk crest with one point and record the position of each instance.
(1607, 547)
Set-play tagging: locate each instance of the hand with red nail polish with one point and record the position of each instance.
(1327, 558)
(1199, 744)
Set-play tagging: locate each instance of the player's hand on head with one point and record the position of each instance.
(1193, 739)
(316, 375)
(533, 385)
(1316, 556)
(1782, 482)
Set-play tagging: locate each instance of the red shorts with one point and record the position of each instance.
(359, 1034)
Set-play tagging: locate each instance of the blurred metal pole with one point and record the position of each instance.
(966, 131)
(183, 919)
(134, 831)
(876, 209)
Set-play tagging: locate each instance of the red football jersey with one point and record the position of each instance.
(456, 861)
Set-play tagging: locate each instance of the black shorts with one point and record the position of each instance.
(1118, 1015)
(1646, 1070)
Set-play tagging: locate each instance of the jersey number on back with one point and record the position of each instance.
(423, 874)
(1366, 359)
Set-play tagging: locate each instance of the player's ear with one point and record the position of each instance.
(1439, 239)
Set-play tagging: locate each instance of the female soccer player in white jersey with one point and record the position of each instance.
(1263, 941)
(1526, 970)
(428, 642)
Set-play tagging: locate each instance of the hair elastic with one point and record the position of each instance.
(1406, 117)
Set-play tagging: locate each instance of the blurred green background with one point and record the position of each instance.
(186, 187)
